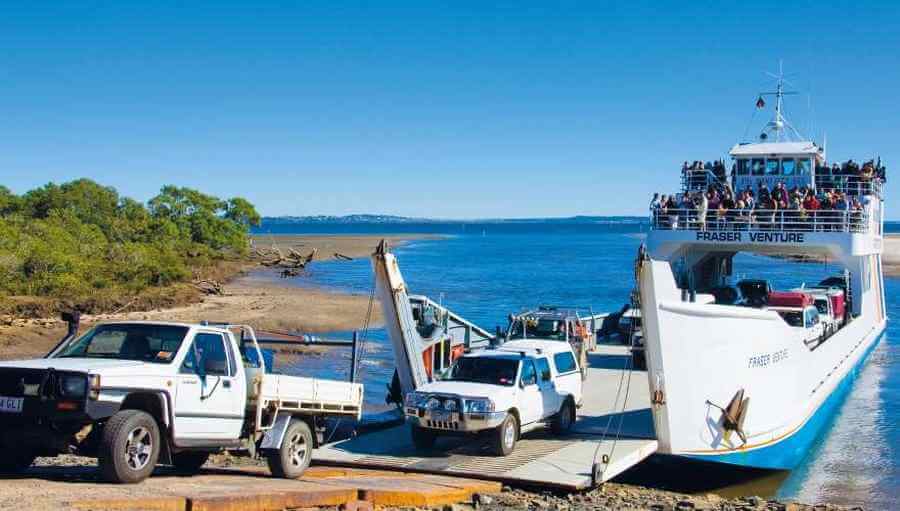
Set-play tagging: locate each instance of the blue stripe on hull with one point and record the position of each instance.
(790, 451)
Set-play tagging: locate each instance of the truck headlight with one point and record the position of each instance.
(479, 406)
(73, 386)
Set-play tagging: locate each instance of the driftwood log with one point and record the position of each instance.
(291, 264)
(210, 287)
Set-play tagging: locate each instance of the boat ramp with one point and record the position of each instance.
(613, 432)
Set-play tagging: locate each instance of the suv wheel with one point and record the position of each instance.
(563, 420)
(15, 462)
(423, 438)
(190, 462)
(505, 436)
(129, 447)
(292, 459)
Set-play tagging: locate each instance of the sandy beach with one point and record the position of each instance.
(890, 259)
(263, 303)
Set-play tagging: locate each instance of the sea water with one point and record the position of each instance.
(486, 271)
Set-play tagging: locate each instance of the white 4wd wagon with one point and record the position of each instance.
(141, 393)
(503, 392)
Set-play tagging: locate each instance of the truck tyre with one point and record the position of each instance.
(504, 438)
(563, 420)
(129, 447)
(190, 462)
(292, 459)
(15, 462)
(423, 438)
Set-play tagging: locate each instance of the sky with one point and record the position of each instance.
(430, 109)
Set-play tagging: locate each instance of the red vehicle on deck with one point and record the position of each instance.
(790, 299)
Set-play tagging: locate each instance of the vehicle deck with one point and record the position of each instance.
(540, 458)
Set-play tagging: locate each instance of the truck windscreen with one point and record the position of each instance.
(143, 342)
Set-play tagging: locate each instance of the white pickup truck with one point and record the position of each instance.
(140, 393)
(503, 392)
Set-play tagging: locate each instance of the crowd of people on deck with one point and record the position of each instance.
(839, 176)
(798, 208)
(836, 176)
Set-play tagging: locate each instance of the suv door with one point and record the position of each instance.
(530, 402)
(550, 398)
(209, 400)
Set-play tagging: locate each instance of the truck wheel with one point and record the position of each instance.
(15, 462)
(129, 447)
(562, 421)
(291, 460)
(423, 438)
(190, 462)
(505, 436)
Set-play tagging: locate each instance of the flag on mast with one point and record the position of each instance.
(760, 102)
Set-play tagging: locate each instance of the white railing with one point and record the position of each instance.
(851, 185)
(699, 180)
(855, 221)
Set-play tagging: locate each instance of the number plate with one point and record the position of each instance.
(440, 415)
(11, 404)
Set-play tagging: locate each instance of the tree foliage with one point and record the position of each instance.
(79, 238)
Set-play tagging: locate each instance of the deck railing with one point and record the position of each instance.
(761, 220)
(851, 185)
(699, 180)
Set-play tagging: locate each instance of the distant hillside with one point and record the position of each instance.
(393, 219)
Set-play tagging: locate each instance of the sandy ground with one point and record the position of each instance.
(890, 259)
(262, 303)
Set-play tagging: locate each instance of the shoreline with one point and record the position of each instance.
(265, 304)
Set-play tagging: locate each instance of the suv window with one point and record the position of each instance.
(565, 362)
(207, 353)
(543, 367)
(529, 376)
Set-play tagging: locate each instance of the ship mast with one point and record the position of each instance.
(778, 124)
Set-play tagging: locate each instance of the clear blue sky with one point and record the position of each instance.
(450, 109)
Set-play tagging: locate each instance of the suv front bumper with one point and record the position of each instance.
(454, 421)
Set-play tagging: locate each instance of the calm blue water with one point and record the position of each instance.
(486, 271)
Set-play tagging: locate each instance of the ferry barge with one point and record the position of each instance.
(738, 383)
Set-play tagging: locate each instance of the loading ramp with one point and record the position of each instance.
(605, 429)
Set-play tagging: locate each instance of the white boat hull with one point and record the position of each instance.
(700, 353)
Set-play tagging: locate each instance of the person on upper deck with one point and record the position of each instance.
(763, 191)
(703, 208)
(780, 194)
(766, 211)
(810, 202)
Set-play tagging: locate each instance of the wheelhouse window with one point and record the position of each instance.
(772, 167)
(788, 167)
(758, 166)
(743, 167)
(803, 167)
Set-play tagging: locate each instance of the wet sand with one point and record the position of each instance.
(262, 303)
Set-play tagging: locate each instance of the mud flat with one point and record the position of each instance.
(266, 304)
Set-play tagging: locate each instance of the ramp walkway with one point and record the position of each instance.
(605, 430)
